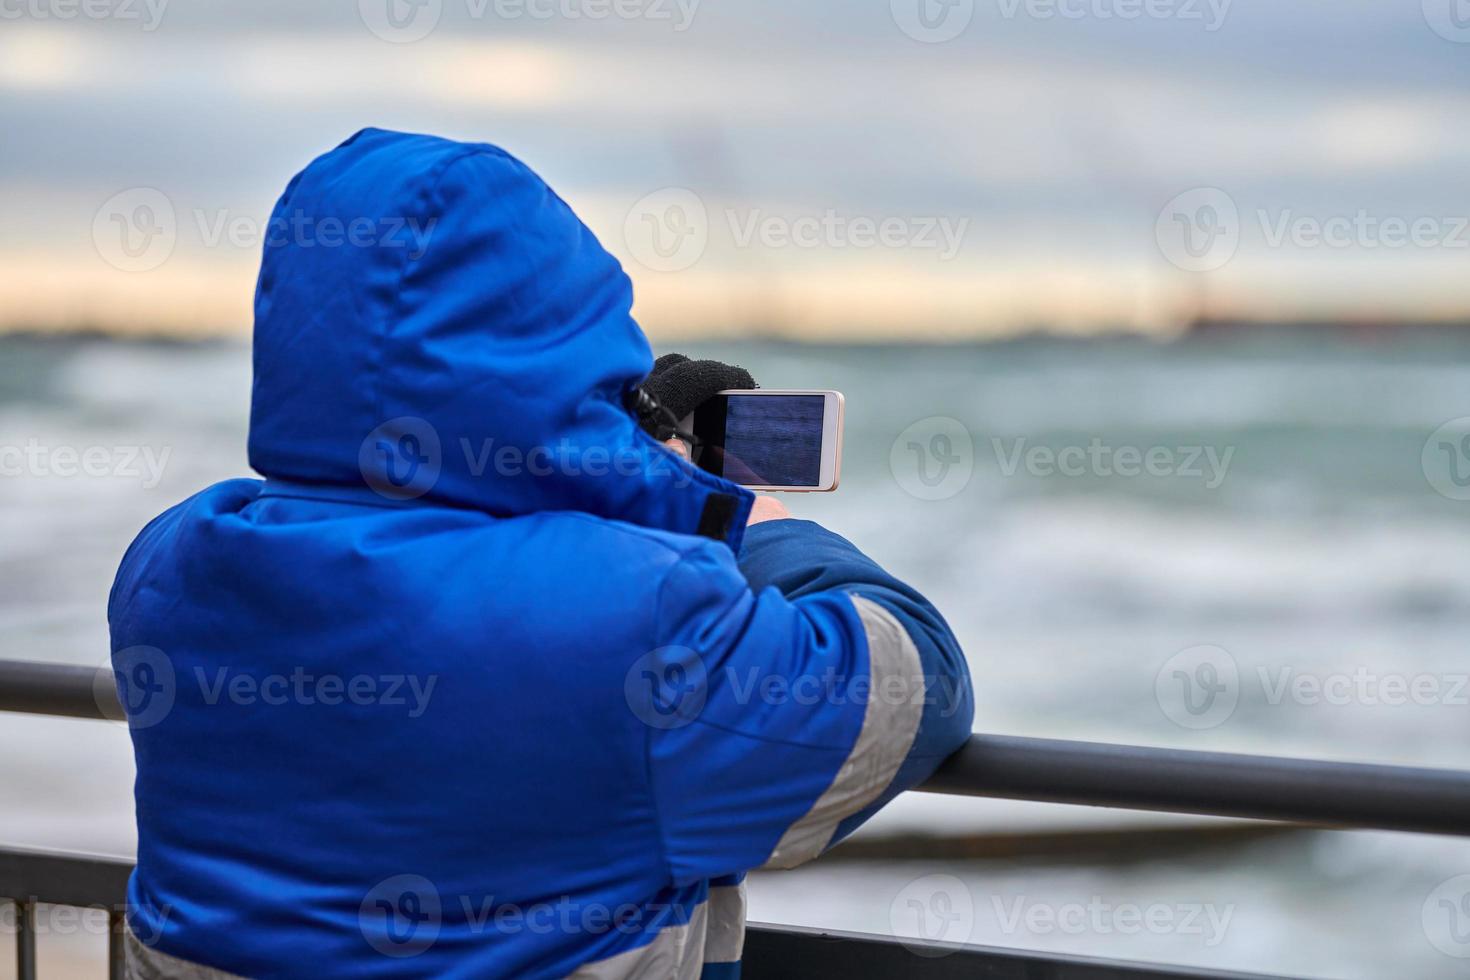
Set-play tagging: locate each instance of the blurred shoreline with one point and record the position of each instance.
(1204, 331)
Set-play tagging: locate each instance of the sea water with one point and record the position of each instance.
(1252, 545)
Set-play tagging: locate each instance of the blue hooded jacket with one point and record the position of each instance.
(474, 684)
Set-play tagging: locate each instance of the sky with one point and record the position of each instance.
(874, 170)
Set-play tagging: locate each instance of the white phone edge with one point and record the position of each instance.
(833, 411)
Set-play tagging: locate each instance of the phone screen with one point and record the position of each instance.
(762, 440)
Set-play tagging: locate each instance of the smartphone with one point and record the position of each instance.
(771, 439)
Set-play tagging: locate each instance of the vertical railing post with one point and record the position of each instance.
(25, 939)
(116, 923)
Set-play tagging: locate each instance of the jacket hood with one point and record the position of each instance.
(434, 324)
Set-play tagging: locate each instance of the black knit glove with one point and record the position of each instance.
(682, 385)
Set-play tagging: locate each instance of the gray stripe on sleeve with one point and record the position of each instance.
(142, 962)
(725, 939)
(676, 953)
(890, 721)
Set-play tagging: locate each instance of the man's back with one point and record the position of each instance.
(402, 723)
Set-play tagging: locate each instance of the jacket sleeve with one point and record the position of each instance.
(811, 688)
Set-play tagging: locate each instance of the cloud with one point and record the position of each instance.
(39, 59)
(1057, 141)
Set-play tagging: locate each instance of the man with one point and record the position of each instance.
(482, 680)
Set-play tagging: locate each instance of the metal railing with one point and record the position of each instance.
(32, 878)
(771, 952)
(1326, 794)
(1322, 794)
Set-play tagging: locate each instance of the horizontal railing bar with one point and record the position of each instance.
(62, 878)
(37, 688)
(781, 952)
(1134, 777)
